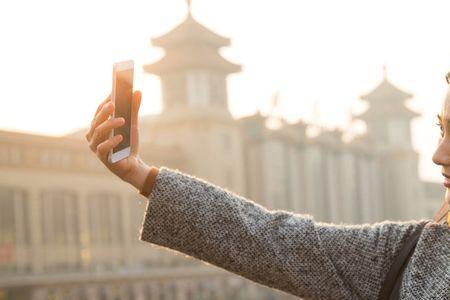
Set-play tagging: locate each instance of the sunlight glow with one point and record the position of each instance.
(57, 57)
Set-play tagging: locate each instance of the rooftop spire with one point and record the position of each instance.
(275, 119)
(384, 72)
(189, 4)
(275, 100)
(316, 112)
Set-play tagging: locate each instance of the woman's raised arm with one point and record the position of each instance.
(286, 251)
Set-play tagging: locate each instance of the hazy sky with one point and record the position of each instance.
(56, 57)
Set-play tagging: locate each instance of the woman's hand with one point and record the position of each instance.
(131, 169)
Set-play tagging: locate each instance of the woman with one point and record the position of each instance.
(286, 251)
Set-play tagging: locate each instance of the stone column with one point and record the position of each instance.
(190, 289)
(39, 294)
(365, 189)
(138, 291)
(126, 229)
(110, 292)
(332, 199)
(180, 290)
(220, 291)
(20, 247)
(70, 213)
(35, 230)
(252, 291)
(114, 203)
(155, 290)
(92, 292)
(84, 231)
(171, 288)
(376, 195)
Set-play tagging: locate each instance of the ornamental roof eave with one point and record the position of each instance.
(173, 63)
(257, 116)
(190, 31)
(404, 113)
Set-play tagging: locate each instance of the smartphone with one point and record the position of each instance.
(122, 92)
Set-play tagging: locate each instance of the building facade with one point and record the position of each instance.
(69, 229)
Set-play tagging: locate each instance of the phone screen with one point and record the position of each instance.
(122, 101)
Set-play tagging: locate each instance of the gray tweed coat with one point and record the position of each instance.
(291, 252)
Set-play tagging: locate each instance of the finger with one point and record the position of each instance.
(101, 116)
(104, 148)
(102, 104)
(103, 131)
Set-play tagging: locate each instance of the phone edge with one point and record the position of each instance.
(119, 66)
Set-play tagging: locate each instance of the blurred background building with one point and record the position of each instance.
(69, 229)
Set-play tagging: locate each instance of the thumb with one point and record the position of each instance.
(135, 104)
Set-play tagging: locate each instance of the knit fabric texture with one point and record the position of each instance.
(292, 252)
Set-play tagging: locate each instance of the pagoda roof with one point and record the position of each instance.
(394, 110)
(330, 135)
(191, 57)
(386, 91)
(298, 124)
(257, 116)
(190, 32)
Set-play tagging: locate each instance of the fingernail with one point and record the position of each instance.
(118, 120)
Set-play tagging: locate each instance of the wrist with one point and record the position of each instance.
(139, 174)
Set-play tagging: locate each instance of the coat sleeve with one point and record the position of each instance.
(287, 251)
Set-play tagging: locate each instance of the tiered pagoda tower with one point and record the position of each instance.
(387, 118)
(195, 116)
(193, 73)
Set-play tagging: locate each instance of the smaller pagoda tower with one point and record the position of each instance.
(388, 136)
(387, 118)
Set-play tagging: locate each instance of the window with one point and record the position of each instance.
(226, 141)
(197, 88)
(4, 155)
(65, 159)
(15, 155)
(173, 90)
(44, 158)
(398, 131)
(54, 158)
(218, 92)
